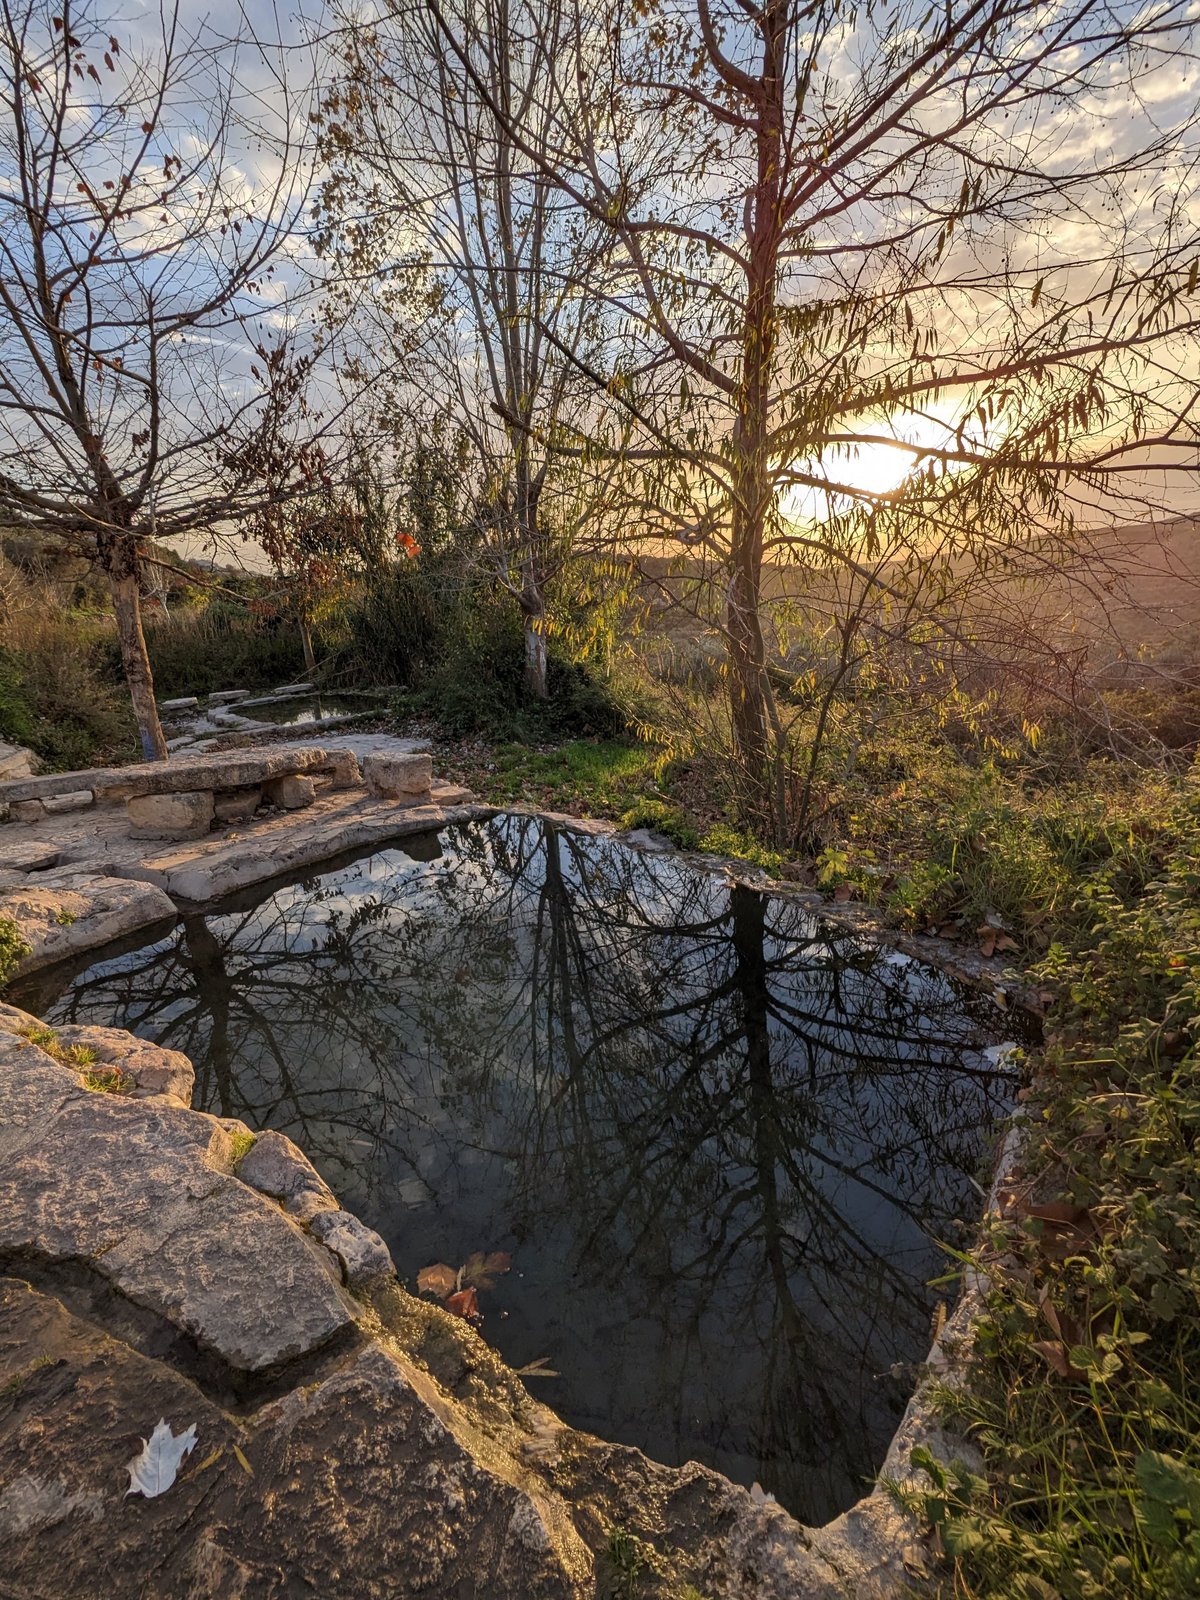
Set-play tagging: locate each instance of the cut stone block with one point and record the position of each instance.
(237, 805)
(290, 794)
(170, 816)
(27, 811)
(77, 800)
(184, 703)
(343, 767)
(224, 696)
(398, 776)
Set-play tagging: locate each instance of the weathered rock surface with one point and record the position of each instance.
(397, 776)
(184, 702)
(188, 815)
(228, 769)
(274, 1165)
(215, 867)
(72, 800)
(16, 761)
(61, 912)
(146, 1069)
(143, 1191)
(27, 811)
(344, 769)
(20, 854)
(362, 1253)
(236, 805)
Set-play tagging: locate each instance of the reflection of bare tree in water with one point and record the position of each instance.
(719, 1137)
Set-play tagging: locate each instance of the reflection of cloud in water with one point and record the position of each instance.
(718, 1137)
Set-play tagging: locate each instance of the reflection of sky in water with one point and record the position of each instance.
(718, 1138)
(299, 709)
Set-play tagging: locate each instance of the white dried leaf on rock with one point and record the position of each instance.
(154, 1470)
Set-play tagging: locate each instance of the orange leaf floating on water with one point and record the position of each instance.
(440, 1280)
(464, 1304)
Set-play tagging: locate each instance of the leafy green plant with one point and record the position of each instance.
(14, 947)
(624, 1565)
(724, 840)
(663, 818)
(1082, 1394)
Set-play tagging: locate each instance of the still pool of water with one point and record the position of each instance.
(720, 1140)
(305, 708)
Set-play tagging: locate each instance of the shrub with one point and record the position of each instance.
(456, 643)
(58, 695)
(13, 949)
(392, 631)
(222, 646)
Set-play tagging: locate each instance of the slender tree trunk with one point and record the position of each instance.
(533, 621)
(306, 644)
(751, 442)
(127, 604)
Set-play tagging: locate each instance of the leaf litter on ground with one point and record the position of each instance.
(154, 1469)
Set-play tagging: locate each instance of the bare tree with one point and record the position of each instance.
(149, 385)
(957, 233)
(430, 195)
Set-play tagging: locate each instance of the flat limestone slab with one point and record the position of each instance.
(211, 869)
(143, 1192)
(18, 854)
(63, 912)
(225, 769)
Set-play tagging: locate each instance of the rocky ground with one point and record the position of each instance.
(78, 877)
(161, 1264)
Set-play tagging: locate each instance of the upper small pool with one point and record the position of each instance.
(720, 1140)
(306, 708)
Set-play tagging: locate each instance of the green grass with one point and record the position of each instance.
(599, 774)
(103, 1080)
(1083, 1396)
(242, 1143)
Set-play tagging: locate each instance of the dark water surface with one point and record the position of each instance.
(719, 1140)
(305, 708)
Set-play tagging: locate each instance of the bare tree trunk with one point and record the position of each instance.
(533, 621)
(127, 605)
(751, 444)
(306, 644)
